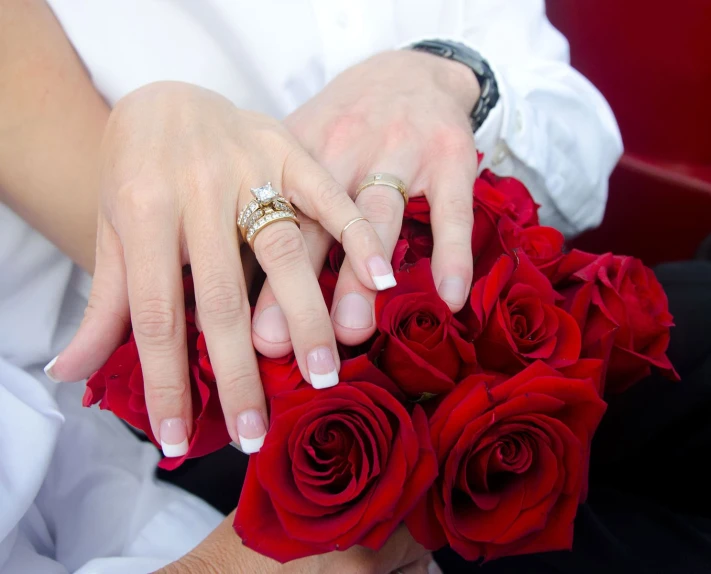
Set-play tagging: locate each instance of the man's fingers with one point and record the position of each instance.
(425, 565)
(222, 300)
(451, 200)
(324, 200)
(400, 550)
(155, 293)
(106, 320)
(353, 303)
(270, 330)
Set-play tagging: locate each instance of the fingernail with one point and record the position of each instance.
(453, 290)
(48, 370)
(251, 430)
(173, 437)
(433, 568)
(322, 368)
(382, 273)
(271, 325)
(353, 312)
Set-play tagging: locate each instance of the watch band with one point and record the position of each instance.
(457, 52)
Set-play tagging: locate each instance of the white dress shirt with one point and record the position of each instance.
(77, 492)
(551, 128)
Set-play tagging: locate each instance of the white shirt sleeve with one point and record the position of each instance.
(551, 128)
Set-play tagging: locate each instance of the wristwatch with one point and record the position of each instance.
(473, 60)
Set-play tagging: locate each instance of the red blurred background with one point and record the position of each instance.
(652, 61)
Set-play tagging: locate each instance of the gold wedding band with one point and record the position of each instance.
(385, 179)
(267, 207)
(351, 222)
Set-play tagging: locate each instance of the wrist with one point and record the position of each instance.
(455, 78)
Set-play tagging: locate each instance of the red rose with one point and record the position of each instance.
(619, 302)
(517, 319)
(519, 204)
(339, 467)
(418, 209)
(279, 375)
(118, 387)
(399, 253)
(513, 463)
(496, 197)
(420, 345)
(419, 240)
(542, 245)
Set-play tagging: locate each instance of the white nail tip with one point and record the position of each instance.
(324, 381)
(48, 370)
(383, 282)
(251, 445)
(173, 450)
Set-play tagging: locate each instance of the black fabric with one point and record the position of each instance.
(649, 506)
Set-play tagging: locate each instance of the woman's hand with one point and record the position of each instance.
(178, 165)
(222, 552)
(404, 113)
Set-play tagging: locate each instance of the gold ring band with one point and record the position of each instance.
(267, 207)
(385, 179)
(351, 222)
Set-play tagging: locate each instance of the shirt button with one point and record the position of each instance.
(500, 153)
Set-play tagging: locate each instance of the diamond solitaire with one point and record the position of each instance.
(265, 194)
(267, 207)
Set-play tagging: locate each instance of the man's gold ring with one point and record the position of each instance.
(267, 207)
(383, 179)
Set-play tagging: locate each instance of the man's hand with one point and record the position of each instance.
(404, 113)
(223, 553)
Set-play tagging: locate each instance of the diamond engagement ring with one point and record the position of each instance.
(267, 207)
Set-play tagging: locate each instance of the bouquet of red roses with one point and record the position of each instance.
(473, 429)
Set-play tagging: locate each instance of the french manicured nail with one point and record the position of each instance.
(251, 430)
(322, 368)
(382, 273)
(353, 312)
(173, 437)
(271, 325)
(48, 370)
(433, 568)
(453, 290)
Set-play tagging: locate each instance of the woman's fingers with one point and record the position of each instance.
(352, 311)
(149, 229)
(450, 198)
(281, 251)
(270, 330)
(222, 300)
(106, 320)
(322, 199)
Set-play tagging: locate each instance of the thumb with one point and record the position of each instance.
(106, 319)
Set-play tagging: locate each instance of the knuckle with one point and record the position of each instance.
(397, 134)
(452, 141)
(313, 321)
(340, 132)
(156, 321)
(382, 205)
(221, 300)
(141, 202)
(241, 383)
(330, 194)
(281, 246)
(169, 391)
